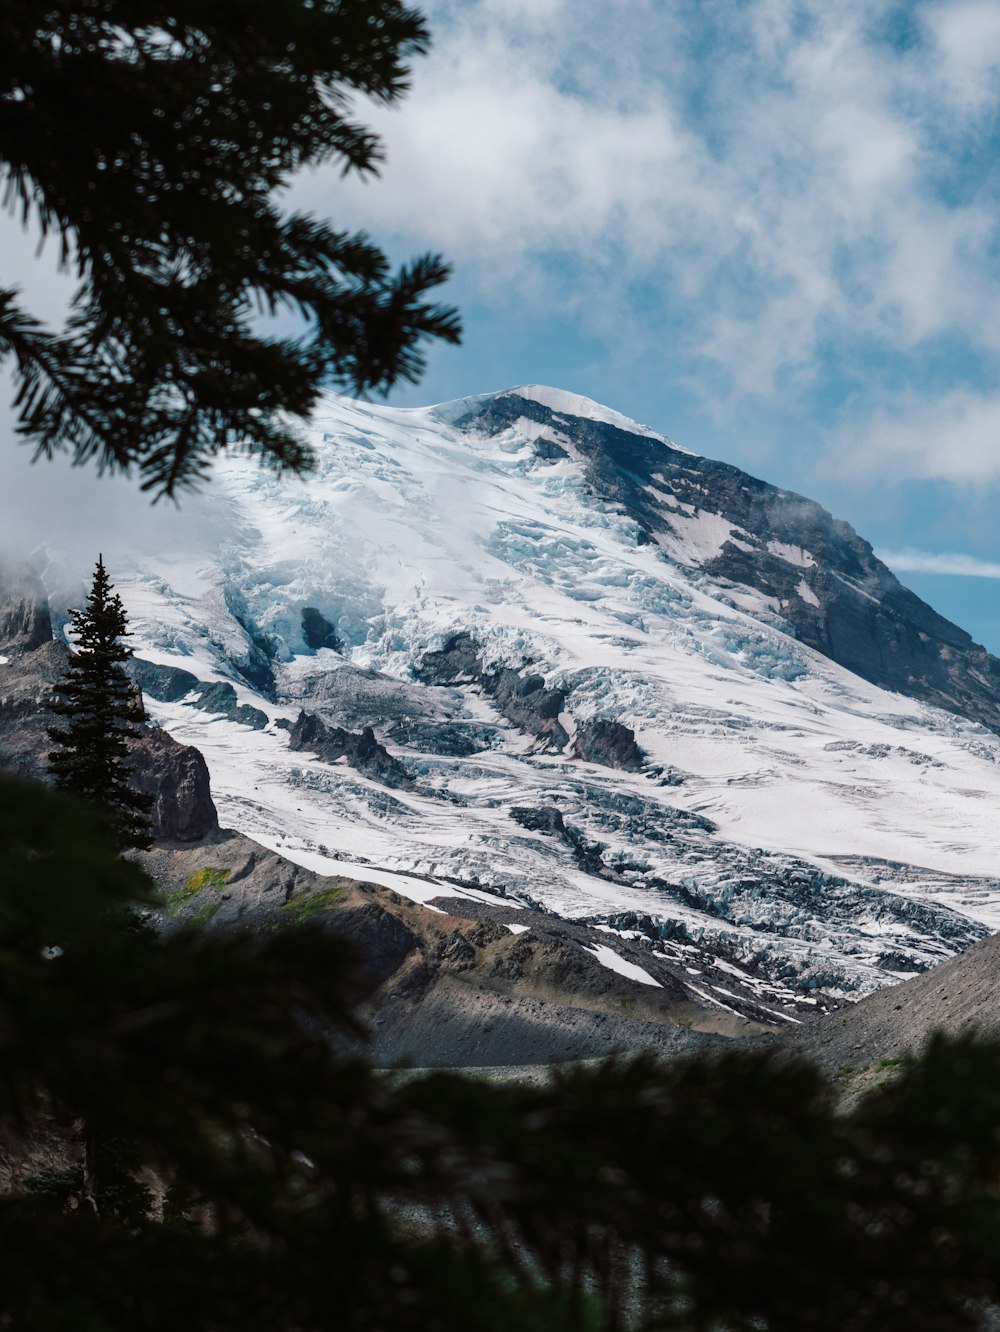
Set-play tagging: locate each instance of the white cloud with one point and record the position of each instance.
(909, 560)
(782, 188)
(736, 190)
(966, 34)
(950, 436)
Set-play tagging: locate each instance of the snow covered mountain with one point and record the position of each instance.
(519, 645)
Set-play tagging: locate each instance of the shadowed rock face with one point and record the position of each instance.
(332, 744)
(318, 631)
(836, 596)
(25, 622)
(521, 698)
(170, 684)
(609, 743)
(176, 776)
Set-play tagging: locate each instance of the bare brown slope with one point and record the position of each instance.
(440, 989)
(961, 993)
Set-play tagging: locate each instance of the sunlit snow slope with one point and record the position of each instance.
(601, 675)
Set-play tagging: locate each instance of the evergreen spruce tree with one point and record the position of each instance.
(103, 706)
(156, 140)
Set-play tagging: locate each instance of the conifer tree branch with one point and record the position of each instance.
(152, 143)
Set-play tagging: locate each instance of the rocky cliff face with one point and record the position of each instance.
(31, 663)
(176, 776)
(25, 622)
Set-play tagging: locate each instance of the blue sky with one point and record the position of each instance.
(769, 229)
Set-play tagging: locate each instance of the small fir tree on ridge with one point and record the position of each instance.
(103, 706)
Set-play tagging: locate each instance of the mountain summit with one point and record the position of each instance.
(519, 645)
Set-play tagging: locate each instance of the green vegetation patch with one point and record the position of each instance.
(204, 913)
(211, 876)
(315, 904)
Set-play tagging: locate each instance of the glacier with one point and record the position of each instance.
(610, 679)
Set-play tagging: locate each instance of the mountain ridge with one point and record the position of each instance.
(898, 630)
(495, 646)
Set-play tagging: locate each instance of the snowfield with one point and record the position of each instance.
(805, 822)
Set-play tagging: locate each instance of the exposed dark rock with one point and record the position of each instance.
(548, 820)
(169, 684)
(522, 699)
(609, 743)
(384, 942)
(176, 776)
(318, 631)
(332, 743)
(221, 697)
(449, 739)
(457, 662)
(549, 450)
(543, 819)
(26, 685)
(525, 701)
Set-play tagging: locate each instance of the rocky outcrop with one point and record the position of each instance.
(523, 699)
(318, 631)
(361, 751)
(541, 818)
(25, 622)
(520, 697)
(176, 776)
(170, 684)
(548, 820)
(451, 739)
(608, 743)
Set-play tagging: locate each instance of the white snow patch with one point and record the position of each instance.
(615, 962)
(698, 539)
(518, 929)
(574, 404)
(792, 554)
(4, 661)
(710, 999)
(806, 593)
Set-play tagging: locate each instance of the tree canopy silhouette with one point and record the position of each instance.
(153, 137)
(102, 707)
(264, 1177)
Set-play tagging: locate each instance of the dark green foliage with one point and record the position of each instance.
(153, 140)
(120, 1194)
(103, 706)
(301, 1191)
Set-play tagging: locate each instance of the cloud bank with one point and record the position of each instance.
(924, 561)
(786, 193)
